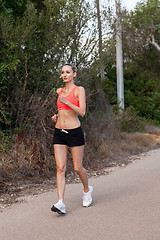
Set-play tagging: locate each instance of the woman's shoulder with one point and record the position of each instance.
(59, 90)
(80, 88)
(80, 91)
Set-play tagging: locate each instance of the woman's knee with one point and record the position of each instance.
(78, 169)
(61, 168)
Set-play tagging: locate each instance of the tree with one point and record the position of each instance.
(141, 60)
(100, 39)
(34, 45)
(143, 25)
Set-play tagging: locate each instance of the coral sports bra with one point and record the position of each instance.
(71, 97)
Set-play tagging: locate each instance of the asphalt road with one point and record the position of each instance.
(126, 206)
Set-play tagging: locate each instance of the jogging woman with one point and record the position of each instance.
(68, 133)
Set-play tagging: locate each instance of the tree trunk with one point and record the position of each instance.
(154, 44)
(100, 40)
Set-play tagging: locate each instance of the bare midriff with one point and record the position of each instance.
(67, 119)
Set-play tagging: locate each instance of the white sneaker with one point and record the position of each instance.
(87, 197)
(59, 207)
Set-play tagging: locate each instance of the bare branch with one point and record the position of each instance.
(154, 44)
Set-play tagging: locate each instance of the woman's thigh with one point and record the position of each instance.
(60, 152)
(77, 155)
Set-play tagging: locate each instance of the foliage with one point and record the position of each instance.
(35, 43)
(141, 61)
(129, 121)
(4, 140)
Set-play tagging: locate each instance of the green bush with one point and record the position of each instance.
(129, 121)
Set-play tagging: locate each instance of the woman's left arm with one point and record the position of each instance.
(81, 110)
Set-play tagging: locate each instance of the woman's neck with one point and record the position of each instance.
(69, 85)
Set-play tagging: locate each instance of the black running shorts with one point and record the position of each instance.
(70, 137)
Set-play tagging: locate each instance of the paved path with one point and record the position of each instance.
(126, 207)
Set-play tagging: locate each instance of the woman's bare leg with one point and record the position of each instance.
(60, 152)
(77, 154)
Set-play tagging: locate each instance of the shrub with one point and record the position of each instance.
(129, 121)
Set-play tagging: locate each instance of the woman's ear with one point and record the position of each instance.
(75, 74)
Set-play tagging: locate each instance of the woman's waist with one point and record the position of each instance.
(67, 123)
(68, 130)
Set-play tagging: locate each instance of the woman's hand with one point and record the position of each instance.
(63, 100)
(54, 118)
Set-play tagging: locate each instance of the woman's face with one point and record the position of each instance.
(67, 74)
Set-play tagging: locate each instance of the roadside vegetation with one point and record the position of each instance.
(36, 38)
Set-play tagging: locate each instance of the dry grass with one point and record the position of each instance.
(128, 144)
(112, 147)
(149, 128)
